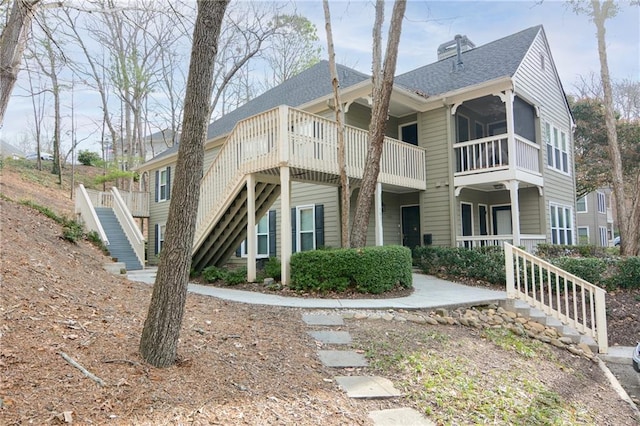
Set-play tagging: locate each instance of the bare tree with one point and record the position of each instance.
(339, 111)
(628, 220)
(382, 81)
(159, 340)
(13, 41)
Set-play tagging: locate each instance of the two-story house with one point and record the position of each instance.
(479, 151)
(594, 215)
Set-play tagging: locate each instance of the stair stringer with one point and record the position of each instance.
(228, 227)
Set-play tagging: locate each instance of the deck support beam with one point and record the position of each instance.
(285, 224)
(515, 211)
(251, 228)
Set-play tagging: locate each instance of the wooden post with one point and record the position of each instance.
(601, 321)
(251, 228)
(285, 223)
(378, 214)
(508, 264)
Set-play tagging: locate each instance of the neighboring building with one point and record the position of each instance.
(595, 218)
(479, 151)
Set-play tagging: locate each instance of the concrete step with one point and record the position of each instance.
(320, 319)
(367, 387)
(331, 337)
(399, 417)
(342, 359)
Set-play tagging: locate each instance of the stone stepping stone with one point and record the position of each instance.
(367, 387)
(331, 337)
(319, 319)
(399, 417)
(342, 359)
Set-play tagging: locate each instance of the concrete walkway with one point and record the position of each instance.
(429, 292)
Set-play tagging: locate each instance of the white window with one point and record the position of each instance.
(561, 224)
(583, 235)
(557, 148)
(602, 202)
(163, 181)
(306, 226)
(581, 204)
(262, 234)
(161, 229)
(604, 236)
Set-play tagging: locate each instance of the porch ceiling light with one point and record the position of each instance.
(498, 186)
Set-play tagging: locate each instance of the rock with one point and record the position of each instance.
(374, 317)
(536, 327)
(430, 320)
(551, 332)
(400, 318)
(387, 317)
(464, 321)
(544, 339)
(566, 340)
(440, 320)
(416, 318)
(557, 343)
(585, 348)
(442, 312)
(521, 320)
(452, 321)
(360, 315)
(348, 315)
(575, 350)
(268, 281)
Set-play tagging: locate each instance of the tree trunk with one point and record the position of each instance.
(629, 232)
(382, 86)
(159, 340)
(337, 106)
(12, 44)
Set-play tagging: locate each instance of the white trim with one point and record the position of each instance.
(311, 207)
(159, 185)
(458, 116)
(600, 194)
(160, 237)
(586, 204)
(565, 228)
(553, 139)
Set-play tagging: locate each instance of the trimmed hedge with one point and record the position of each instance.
(592, 269)
(627, 273)
(366, 270)
(481, 263)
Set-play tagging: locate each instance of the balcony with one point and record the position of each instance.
(493, 159)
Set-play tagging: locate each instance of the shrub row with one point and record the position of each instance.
(609, 273)
(228, 276)
(366, 270)
(482, 263)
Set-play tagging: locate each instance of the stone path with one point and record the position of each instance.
(363, 387)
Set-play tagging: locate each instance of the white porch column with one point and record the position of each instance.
(511, 130)
(378, 214)
(251, 228)
(515, 211)
(285, 224)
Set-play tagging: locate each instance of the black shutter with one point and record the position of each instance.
(157, 186)
(293, 230)
(157, 244)
(168, 183)
(272, 233)
(319, 219)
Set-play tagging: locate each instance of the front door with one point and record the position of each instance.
(502, 220)
(410, 226)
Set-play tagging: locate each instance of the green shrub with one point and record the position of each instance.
(591, 269)
(367, 270)
(94, 238)
(627, 274)
(482, 263)
(273, 269)
(236, 276)
(550, 251)
(212, 274)
(44, 210)
(88, 158)
(72, 231)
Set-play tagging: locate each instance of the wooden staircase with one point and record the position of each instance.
(227, 234)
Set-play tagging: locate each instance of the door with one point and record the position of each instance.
(410, 226)
(502, 220)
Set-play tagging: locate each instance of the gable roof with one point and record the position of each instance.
(310, 84)
(499, 58)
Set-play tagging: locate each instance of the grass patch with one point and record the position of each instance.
(509, 341)
(440, 382)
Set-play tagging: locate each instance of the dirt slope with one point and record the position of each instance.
(238, 364)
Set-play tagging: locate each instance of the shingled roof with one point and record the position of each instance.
(499, 58)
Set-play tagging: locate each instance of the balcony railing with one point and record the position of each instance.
(137, 202)
(492, 154)
(286, 136)
(528, 241)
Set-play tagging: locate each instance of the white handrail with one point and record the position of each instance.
(131, 230)
(568, 298)
(87, 214)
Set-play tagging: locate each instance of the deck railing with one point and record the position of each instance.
(492, 154)
(572, 300)
(285, 136)
(137, 202)
(528, 241)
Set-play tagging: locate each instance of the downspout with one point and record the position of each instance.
(452, 195)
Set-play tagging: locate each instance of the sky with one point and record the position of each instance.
(428, 24)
